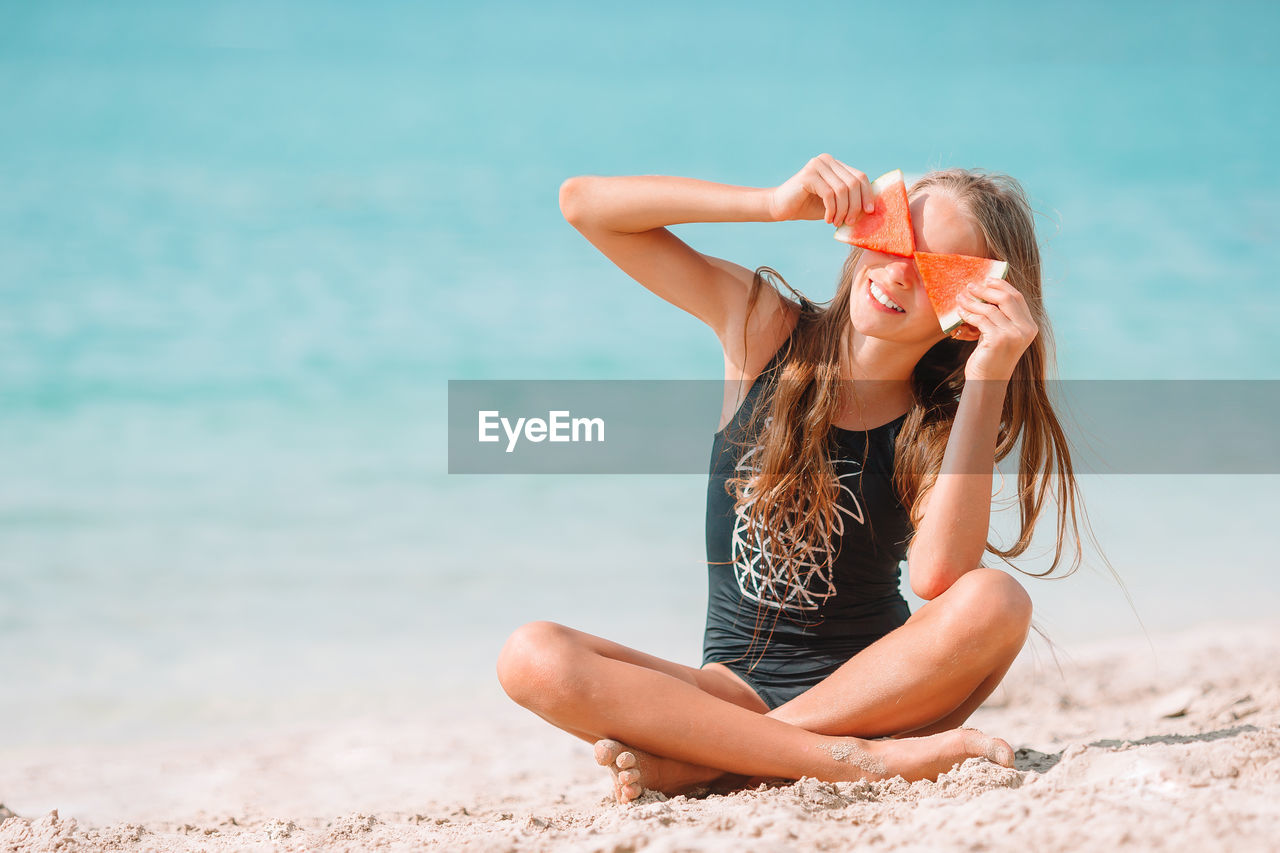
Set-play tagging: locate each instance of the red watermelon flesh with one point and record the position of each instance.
(887, 228)
(945, 276)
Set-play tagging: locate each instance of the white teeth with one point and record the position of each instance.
(883, 299)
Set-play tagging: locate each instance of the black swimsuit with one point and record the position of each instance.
(783, 637)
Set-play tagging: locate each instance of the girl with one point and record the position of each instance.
(852, 435)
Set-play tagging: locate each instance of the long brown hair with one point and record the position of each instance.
(790, 492)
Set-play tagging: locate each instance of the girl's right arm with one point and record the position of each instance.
(624, 217)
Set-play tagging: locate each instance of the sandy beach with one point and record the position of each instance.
(1177, 750)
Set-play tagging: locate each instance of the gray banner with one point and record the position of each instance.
(668, 426)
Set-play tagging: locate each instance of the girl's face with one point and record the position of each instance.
(940, 226)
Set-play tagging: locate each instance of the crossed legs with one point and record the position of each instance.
(683, 726)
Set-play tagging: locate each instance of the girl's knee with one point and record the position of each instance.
(532, 660)
(995, 598)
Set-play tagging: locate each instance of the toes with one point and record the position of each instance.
(1000, 752)
(607, 751)
(990, 748)
(624, 765)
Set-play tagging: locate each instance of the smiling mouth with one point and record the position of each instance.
(883, 298)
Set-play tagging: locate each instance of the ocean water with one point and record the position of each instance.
(243, 247)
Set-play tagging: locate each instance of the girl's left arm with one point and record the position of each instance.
(955, 514)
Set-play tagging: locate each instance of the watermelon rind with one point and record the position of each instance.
(888, 179)
(951, 320)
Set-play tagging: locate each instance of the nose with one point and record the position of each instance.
(901, 270)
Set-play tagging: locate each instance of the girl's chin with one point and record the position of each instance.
(874, 326)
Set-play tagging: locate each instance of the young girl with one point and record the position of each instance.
(853, 436)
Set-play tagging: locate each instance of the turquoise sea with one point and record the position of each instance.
(244, 246)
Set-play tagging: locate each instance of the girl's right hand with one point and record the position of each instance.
(824, 189)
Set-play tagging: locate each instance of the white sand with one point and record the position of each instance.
(1179, 751)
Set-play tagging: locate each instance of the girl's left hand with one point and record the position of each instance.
(1005, 328)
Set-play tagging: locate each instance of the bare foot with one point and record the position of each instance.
(634, 771)
(917, 758)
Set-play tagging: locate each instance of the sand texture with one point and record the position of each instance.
(1122, 750)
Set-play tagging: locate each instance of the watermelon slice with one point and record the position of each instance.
(888, 227)
(945, 276)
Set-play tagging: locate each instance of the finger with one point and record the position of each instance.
(868, 195)
(979, 323)
(995, 290)
(971, 309)
(1002, 293)
(980, 306)
(859, 190)
(838, 188)
(816, 184)
(847, 191)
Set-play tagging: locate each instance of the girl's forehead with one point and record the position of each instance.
(944, 227)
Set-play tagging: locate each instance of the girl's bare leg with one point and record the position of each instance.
(549, 669)
(568, 678)
(930, 674)
(634, 769)
(913, 681)
(627, 765)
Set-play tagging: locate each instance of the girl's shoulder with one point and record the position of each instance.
(763, 353)
(763, 345)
